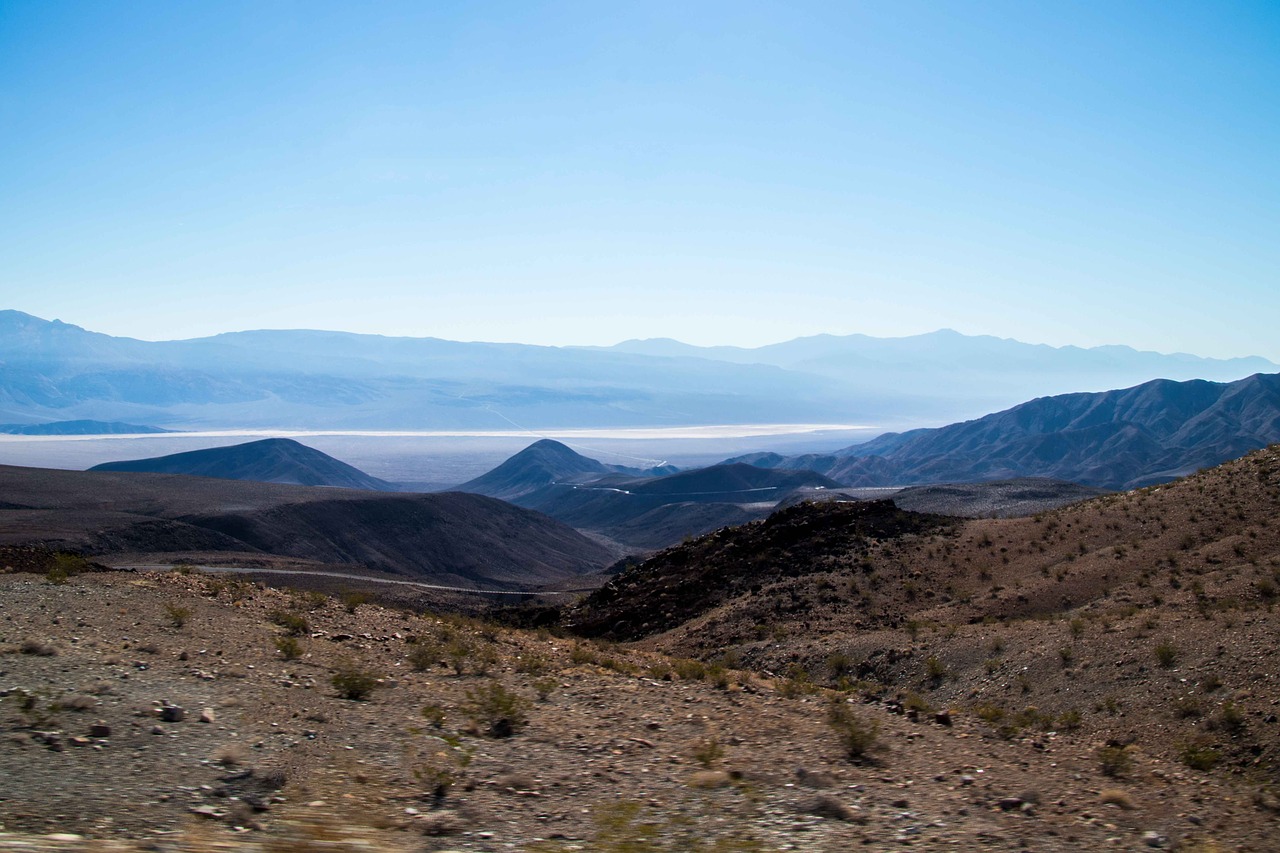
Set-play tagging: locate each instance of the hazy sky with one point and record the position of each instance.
(1059, 172)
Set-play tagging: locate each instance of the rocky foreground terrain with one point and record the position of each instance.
(1099, 677)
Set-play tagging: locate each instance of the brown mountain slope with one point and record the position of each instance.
(1148, 614)
(449, 538)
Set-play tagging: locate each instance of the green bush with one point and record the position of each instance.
(1115, 760)
(294, 624)
(289, 647)
(857, 736)
(423, 655)
(1198, 755)
(63, 566)
(354, 682)
(178, 615)
(496, 711)
(1167, 654)
(352, 599)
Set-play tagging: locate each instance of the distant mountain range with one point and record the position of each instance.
(1151, 433)
(316, 379)
(80, 428)
(639, 510)
(452, 538)
(271, 460)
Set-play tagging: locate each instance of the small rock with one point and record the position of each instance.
(900, 804)
(1151, 838)
(172, 713)
(942, 718)
(207, 715)
(710, 779)
(99, 729)
(208, 811)
(1008, 804)
(825, 805)
(814, 780)
(157, 730)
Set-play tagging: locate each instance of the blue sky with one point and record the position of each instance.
(564, 173)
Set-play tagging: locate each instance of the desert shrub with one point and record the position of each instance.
(434, 715)
(934, 669)
(289, 647)
(352, 599)
(63, 566)
(719, 676)
(1116, 797)
(484, 659)
(76, 702)
(532, 664)
(294, 624)
(231, 755)
(1199, 755)
(796, 684)
(1077, 627)
(581, 653)
(423, 656)
(353, 681)
(857, 736)
(178, 615)
(545, 686)
(1066, 655)
(707, 752)
(437, 780)
(1230, 718)
(660, 671)
(689, 670)
(458, 651)
(1166, 654)
(1069, 720)
(1186, 707)
(38, 648)
(496, 711)
(1115, 760)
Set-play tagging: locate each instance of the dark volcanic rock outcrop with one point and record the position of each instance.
(678, 584)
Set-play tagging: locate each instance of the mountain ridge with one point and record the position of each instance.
(323, 379)
(1121, 439)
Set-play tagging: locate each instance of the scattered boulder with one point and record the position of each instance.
(827, 806)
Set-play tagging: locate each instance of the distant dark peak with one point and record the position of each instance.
(542, 463)
(267, 460)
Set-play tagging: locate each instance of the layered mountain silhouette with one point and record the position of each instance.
(271, 460)
(318, 379)
(80, 428)
(451, 538)
(1151, 433)
(639, 510)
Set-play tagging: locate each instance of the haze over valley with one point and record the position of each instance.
(562, 427)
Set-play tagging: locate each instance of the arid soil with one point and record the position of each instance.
(1098, 677)
(625, 747)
